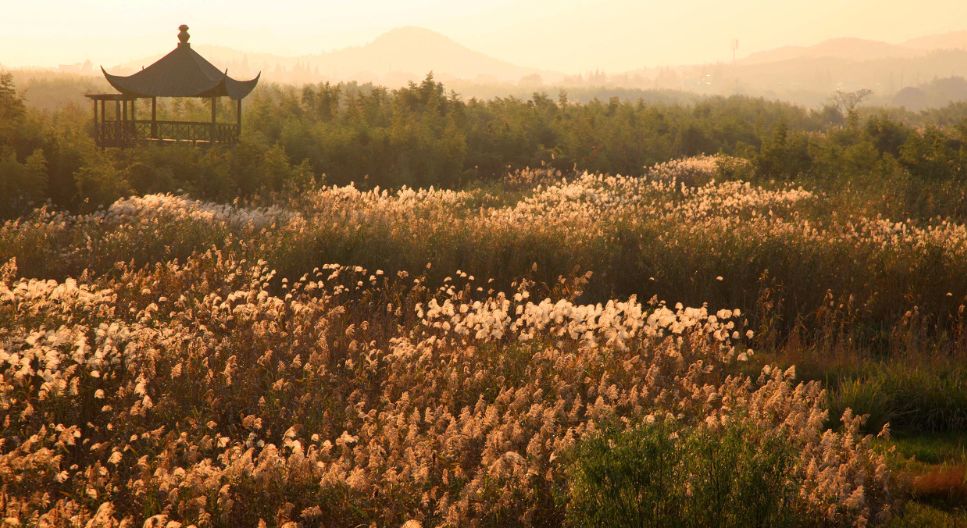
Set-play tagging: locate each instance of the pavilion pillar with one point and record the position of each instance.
(122, 117)
(212, 136)
(103, 123)
(96, 136)
(154, 117)
(238, 117)
(134, 120)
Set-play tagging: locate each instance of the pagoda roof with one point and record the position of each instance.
(181, 73)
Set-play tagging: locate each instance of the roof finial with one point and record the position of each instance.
(183, 36)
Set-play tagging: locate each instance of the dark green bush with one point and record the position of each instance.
(654, 476)
(626, 479)
(910, 395)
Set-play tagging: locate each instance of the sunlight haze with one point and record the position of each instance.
(570, 36)
(506, 263)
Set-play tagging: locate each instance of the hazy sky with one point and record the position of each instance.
(564, 35)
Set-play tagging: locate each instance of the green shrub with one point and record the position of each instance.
(626, 479)
(100, 185)
(22, 185)
(908, 395)
(922, 516)
(654, 476)
(737, 479)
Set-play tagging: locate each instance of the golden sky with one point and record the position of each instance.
(565, 35)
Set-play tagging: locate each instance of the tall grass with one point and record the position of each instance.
(171, 359)
(728, 244)
(198, 393)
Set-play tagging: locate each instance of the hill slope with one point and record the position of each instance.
(393, 58)
(841, 48)
(956, 40)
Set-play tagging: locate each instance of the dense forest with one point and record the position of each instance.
(423, 135)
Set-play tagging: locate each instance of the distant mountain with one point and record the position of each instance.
(842, 48)
(394, 58)
(956, 40)
(410, 51)
(856, 49)
(916, 73)
(936, 93)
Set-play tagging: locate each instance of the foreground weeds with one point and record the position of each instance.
(483, 357)
(203, 393)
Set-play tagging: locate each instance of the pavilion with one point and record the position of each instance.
(181, 73)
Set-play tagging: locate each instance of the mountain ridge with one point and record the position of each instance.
(804, 74)
(859, 49)
(849, 48)
(953, 40)
(394, 57)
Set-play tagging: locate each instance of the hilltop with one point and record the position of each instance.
(393, 58)
(804, 74)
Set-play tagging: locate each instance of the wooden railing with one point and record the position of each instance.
(128, 133)
(113, 134)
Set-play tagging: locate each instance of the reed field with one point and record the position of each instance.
(683, 347)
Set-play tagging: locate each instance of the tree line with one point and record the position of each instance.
(423, 134)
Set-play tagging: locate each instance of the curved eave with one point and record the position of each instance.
(121, 84)
(240, 89)
(223, 86)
